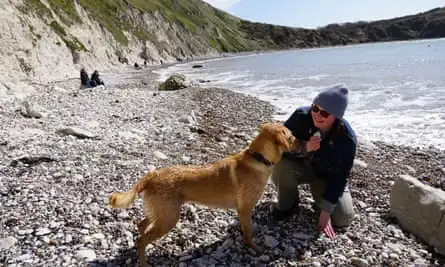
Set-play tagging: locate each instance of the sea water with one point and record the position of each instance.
(397, 89)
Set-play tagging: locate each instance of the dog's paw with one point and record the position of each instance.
(255, 249)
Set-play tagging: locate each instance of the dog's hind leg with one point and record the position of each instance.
(163, 218)
(142, 225)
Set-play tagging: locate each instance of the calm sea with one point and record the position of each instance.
(397, 89)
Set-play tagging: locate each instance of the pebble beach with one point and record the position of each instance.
(58, 169)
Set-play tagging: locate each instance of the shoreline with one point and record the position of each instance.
(365, 141)
(56, 212)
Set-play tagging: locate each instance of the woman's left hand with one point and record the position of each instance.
(324, 224)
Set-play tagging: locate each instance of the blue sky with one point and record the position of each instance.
(314, 13)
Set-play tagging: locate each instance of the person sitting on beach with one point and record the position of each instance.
(95, 77)
(324, 162)
(85, 81)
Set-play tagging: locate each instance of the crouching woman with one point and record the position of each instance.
(324, 163)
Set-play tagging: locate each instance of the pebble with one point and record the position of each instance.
(42, 231)
(86, 254)
(98, 236)
(185, 258)
(123, 215)
(270, 241)
(25, 232)
(358, 262)
(160, 155)
(7, 243)
(265, 258)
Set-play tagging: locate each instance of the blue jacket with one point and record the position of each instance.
(333, 161)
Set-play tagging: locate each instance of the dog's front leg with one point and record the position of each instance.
(245, 217)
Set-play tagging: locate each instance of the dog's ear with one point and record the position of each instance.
(263, 126)
(281, 140)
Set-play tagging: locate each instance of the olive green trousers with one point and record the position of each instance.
(286, 177)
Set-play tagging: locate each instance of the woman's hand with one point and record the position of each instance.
(324, 224)
(313, 144)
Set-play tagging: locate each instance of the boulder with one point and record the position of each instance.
(420, 209)
(174, 82)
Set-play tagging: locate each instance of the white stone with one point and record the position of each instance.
(7, 243)
(42, 231)
(160, 155)
(86, 254)
(360, 163)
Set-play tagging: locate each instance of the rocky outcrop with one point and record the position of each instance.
(420, 209)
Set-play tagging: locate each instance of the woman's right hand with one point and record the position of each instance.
(313, 144)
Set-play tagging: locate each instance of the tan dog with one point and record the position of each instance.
(237, 182)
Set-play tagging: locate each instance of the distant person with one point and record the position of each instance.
(95, 77)
(324, 162)
(85, 80)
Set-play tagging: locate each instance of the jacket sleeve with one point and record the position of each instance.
(297, 123)
(336, 183)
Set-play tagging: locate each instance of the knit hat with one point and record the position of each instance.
(333, 99)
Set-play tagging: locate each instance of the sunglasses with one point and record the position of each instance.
(323, 113)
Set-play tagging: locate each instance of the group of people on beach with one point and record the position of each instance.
(87, 82)
(95, 80)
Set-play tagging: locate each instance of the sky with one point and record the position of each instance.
(315, 13)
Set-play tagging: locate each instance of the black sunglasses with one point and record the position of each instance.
(323, 113)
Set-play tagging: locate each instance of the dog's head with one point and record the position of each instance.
(273, 139)
(279, 134)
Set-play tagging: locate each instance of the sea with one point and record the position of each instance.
(396, 89)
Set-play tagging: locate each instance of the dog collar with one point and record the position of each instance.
(259, 157)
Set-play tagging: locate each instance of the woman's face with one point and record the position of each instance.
(322, 119)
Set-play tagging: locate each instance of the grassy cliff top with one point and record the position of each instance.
(228, 33)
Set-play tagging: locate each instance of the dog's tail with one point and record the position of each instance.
(125, 199)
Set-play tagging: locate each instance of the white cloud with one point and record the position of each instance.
(222, 4)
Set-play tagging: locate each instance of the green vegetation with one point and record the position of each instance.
(75, 45)
(71, 42)
(36, 7)
(57, 28)
(108, 14)
(65, 10)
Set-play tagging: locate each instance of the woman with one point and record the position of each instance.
(324, 163)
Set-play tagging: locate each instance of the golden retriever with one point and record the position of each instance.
(235, 182)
